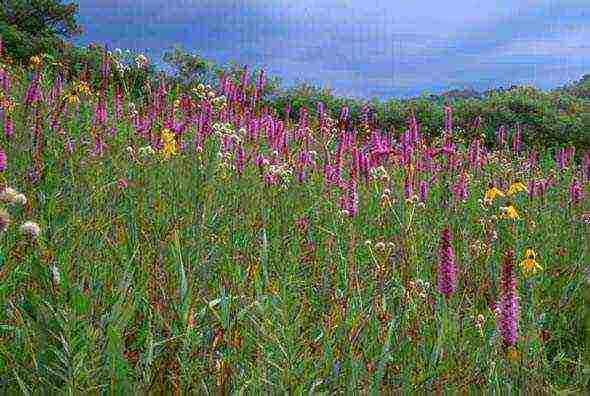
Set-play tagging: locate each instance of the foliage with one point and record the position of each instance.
(177, 252)
(548, 118)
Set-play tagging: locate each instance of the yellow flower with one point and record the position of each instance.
(517, 187)
(35, 61)
(83, 87)
(529, 265)
(492, 193)
(72, 99)
(169, 141)
(509, 212)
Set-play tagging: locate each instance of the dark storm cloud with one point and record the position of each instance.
(370, 47)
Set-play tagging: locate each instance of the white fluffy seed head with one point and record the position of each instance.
(30, 228)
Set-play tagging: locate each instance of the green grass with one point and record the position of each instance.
(194, 279)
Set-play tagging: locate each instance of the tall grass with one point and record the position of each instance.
(252, 255)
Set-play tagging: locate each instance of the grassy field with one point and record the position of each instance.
(190, 243)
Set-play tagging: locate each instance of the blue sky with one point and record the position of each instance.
(363, 48)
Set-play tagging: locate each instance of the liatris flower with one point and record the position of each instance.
(516, 187)
(447, 270)
(240, 159)
(586, 167)
(529, 265)
(460, 189)
(508, 305)
(408, 187)
(349, 201)
(30, 228)
(517, 140)
(560, 158)
(423, 190)
(4, 219)
(100, 117)
(8, 126)
(33, 93)
(3, 160)
(448, 119)
(474, 153)
(575, 191)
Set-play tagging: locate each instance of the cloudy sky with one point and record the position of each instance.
(363, 48)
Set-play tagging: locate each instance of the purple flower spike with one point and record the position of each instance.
(447, 270)
(508, 306)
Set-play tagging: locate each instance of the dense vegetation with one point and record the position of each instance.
(159, 235)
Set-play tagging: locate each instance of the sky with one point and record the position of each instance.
(362, 48)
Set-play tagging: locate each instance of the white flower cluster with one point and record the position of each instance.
(124, 60)
(11, 196)
(282, 172)
(228, 129)
(379, 173)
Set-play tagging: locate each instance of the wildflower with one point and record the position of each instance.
(8, 195)
(423, 190)
(529, 265)
(35, 61)
(30, 228)
(169, 140)
(4, 219)
(20, 199)
(72, 99)
(508, 306)
(509, 212)
(141, 61)
(516, 187)
(575, 191)
(55, 274)
(492, 193)
(83, 87)
(447, 275)
(3, 160)
(380, 245)
(122, 184)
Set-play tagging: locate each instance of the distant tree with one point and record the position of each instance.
(40, 17)
(29, 27)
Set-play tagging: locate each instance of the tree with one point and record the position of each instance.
(41, 17)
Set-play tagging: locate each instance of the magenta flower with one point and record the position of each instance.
(508, 306)
(33, 93)
(240, 159)
(349, 199)
(447, 270)
(448, 119)
(423, 190)
(460, 190)
(517, 140)
(586, 167)
(8, 126)
(3, 160)
(575, 191)
(501, 136)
